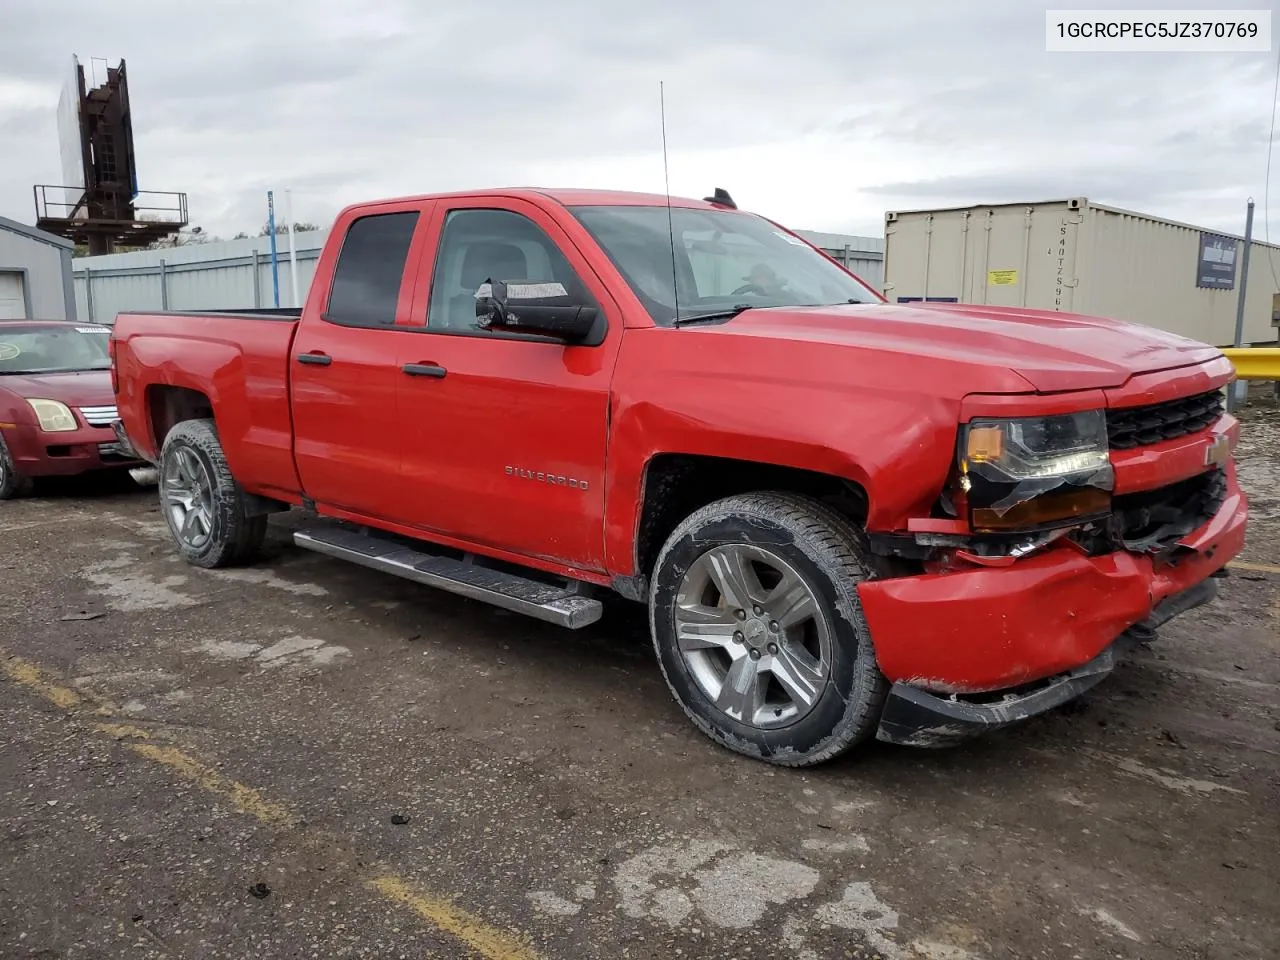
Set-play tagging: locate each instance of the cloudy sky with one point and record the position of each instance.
(821, 113)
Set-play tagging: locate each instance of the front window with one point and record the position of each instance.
(722, 261)
(52, 349)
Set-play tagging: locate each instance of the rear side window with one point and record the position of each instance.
(366, 282)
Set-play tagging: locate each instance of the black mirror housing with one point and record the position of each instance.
(533, 306)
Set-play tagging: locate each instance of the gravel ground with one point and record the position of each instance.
(308, 759)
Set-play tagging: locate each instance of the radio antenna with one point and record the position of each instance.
(666, 179)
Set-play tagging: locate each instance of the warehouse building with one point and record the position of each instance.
(1076, 256)
(35, 274)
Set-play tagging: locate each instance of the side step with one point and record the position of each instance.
(558, 605)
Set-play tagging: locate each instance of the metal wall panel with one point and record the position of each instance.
(40, 263)
(863, 256)
(208, 276)
(1076, 256)
(1144, 270)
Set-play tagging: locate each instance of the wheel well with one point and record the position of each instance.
(169, 406)
(675, 485)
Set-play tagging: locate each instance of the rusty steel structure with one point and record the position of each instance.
(99, 204)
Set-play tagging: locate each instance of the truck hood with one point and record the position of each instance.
(83, 388)
(1051, 351)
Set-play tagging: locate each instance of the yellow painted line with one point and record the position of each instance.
(35, 679)
(1256, 567)
(484, 939)
(243, 798)
(479, 936)
(122, 730)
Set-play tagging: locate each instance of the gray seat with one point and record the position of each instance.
(485, 260)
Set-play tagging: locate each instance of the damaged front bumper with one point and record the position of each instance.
(917, 718)
(978, 647)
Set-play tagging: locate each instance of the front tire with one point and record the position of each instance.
(201, 501)
(759, 632)
(12, 483)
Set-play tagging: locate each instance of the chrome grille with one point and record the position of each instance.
(99, 416)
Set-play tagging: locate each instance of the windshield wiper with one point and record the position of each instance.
(717, 315)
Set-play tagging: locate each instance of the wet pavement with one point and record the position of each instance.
(307, 759)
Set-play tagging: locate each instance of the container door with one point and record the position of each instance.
(1055, 233)
(926, 257)
(1028, 257)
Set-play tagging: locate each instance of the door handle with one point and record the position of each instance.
(425, 370)
(317, 358)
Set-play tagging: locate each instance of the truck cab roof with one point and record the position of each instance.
(568, 197)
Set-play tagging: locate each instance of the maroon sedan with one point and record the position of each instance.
(56, 403)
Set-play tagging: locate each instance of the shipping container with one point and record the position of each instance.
(1081, 257)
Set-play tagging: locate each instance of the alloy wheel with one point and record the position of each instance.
(186, 490)
(753, 635)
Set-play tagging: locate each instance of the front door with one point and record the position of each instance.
(506, 437)
(345, 368)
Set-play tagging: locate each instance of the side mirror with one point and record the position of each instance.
(532, 306)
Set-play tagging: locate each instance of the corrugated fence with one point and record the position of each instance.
(237, 273)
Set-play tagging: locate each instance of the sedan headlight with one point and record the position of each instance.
(1036, 471)
(54, 416)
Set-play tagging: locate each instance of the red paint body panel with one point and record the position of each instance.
(1063, 351)
(74, 452)
(39, 454)
(510, 414)
(346, 417)
(84, 388)
(1211, 373)
(984, 628)
(871, 393)
(240, 364)
(1160, 464)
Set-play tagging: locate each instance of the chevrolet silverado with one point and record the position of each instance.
(848, 518)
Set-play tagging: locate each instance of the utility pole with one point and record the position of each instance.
(1240, 388)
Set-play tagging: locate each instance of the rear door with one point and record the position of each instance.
(505, 441)
(345, 366)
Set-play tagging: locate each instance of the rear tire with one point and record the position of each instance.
(202, 502)
(759, 632)
(12, 483)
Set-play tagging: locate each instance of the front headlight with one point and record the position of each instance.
(1036, 471)
(54, 416)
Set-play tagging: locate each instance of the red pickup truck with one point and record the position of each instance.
(849, 519)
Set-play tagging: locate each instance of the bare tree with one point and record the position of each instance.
(183, 238)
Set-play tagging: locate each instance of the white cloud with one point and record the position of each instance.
(821, 115)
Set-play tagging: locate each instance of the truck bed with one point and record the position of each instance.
(235, 361)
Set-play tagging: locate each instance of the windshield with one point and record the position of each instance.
(724, 260)
(52, 349)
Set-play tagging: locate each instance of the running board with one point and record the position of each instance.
(559, 605)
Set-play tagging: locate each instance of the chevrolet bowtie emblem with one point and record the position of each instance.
(1218, 452)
